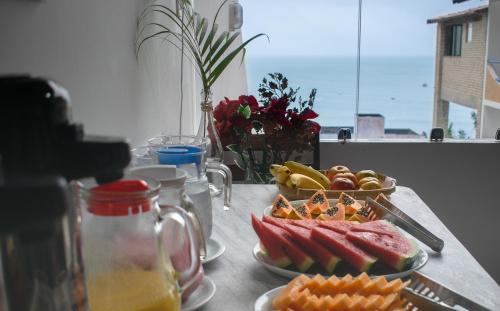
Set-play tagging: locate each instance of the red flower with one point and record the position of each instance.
(313, 127)
(250, 101)
(276, 111)
(308, 114)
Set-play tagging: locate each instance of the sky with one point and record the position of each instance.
(329, 27)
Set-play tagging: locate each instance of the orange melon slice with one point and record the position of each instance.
(373, 302)
(318, 203)
(312, 304)
(336, 212)
(300, 299)
(340, 302)
(300, 212)
(388, 301)
(283, 300)
(281, 207)
(373, 286)
(350, 205)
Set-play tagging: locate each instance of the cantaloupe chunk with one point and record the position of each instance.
(314, 283)
(388, 301)
(357, 302)
(373, 286)
(312, 303)
(340, 302)
(300, 299)
(283, 300)
(373, 302)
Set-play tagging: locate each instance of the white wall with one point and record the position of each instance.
(88, 46)
(458, 181)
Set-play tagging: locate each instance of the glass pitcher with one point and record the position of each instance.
(127, 264)
(162, 143)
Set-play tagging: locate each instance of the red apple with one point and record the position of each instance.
(349, 176)
(336, 170)
(341, 183)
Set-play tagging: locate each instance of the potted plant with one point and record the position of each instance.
(207, 47)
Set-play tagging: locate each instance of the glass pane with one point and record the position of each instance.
(313, 43)
(398, 69)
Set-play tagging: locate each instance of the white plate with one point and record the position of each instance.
(215, 249)
(264, 302)
(264, 260)
(201, 295)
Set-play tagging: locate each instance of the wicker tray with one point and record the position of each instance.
(388, 187)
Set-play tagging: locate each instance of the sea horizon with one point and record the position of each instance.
(401, 88)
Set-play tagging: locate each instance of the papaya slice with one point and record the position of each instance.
(318, 203)
(362, 215)
(336, 212)
(281, 207)
(350, 205)
(300, 212)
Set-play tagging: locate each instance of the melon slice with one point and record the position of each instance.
(336, 212)
(300, 212)
(322, 255)
(281, 236)
(340, 226)
(284, 299)
(305, 223)
(318, 203)
(338, 244)
(280, 222)
(378, 226)
(350, 205)
(397, 251)
(272, 247)
(281, 207)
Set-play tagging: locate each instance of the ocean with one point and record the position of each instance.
(399, 88)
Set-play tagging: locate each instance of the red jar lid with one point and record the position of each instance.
(119, 198)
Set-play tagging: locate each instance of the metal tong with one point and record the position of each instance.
(388, 211)
(424, 293)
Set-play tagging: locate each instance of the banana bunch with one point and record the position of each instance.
(296, 175)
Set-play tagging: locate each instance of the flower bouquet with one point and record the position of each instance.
(267, 131)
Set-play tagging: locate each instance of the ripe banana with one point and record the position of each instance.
(298, 168)
(288, 183)
(305, 182)
(273, 168)
(280, 172)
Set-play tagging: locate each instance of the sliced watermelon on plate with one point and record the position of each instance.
(272, 248)
(395, 250)
(280, 222)
(302, 236)
(338, 244)
(378, 226)
(281, 236)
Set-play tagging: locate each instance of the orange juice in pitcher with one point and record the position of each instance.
(132, 290)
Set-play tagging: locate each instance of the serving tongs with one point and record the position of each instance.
(424, 293)
(384, 209)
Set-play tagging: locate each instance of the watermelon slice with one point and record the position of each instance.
(273, 249)
(340, 226)
(280, 222)
(305, 223)
(281, 236)
(378, 226)
(303, 237)
(395, 250)
(338, 243)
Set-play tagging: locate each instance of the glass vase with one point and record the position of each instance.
(208, 131)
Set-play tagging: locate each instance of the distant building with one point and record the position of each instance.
(460, 58)
(468, 66)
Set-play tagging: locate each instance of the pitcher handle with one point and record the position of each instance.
(227, 177)
(187, 205)
(193, 234)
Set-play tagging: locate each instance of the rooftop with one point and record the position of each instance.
(470, 14)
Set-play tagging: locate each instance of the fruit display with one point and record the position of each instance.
(346, 293)
(360, 246)
(297, 180)
(318, 207)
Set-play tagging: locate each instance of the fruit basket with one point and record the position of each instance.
(388, 187)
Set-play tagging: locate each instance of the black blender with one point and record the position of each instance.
(41, 151)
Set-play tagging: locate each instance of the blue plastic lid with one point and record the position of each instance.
(179, 155)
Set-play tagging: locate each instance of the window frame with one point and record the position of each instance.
(453, 40)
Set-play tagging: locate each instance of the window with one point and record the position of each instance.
(453, 39)
(469, 32)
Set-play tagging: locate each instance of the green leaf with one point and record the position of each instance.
(234, 148)
(210, 38)
(245, 111)
(203, 32)
(215, 46)
(228, 59)
(221, 51)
